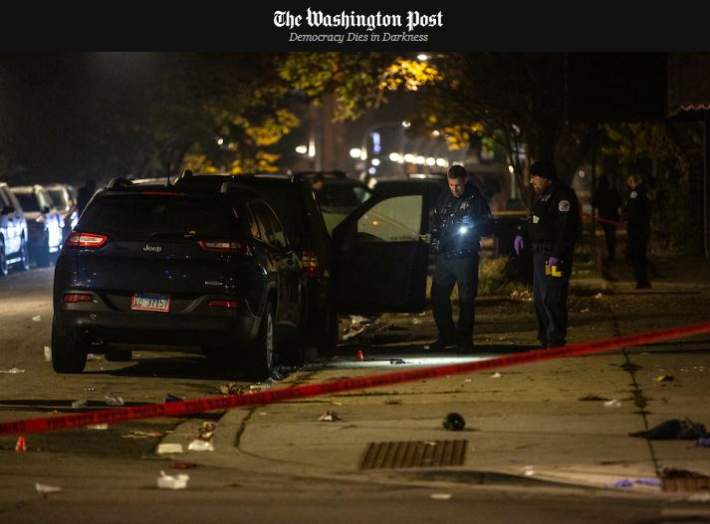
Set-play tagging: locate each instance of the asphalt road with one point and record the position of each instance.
(110, 475)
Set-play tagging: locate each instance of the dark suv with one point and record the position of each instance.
(171, 265)
(13, 232)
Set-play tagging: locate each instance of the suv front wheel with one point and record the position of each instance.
(68, 351)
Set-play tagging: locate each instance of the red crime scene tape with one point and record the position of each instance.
(189, 407)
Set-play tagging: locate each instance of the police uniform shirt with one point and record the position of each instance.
(459, 223)
(554, 221)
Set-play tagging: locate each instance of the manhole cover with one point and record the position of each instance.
(414, 454)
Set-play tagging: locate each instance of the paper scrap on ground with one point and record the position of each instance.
(614, 403)
(38, 318)
(172, 481)
(166, 448)
(46, 489)
(200, 445)
(47, 353)
(12, 371)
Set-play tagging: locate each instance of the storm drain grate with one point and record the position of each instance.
(414, 454)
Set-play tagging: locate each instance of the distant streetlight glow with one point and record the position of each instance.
(302, 150)
(409, 158)
(372, 170)
(394, 157)
(355, 152)
(406, 123)
(435, 133)
(375, 162)
(511, 169)
(441, 162)
(220, 141)
(312, 148)
(421, 160)
(430, 161)
(422, 57)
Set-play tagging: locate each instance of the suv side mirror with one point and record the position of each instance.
(6, 210)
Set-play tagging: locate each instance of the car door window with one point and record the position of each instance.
(396, 219)
(273, 230)
(254, 227)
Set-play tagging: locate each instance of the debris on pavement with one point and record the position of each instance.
(656, 483)
(173, 398)
(113, 400)
(599, 295)
(166, 448)
(454, 422)
(415, 320)
(21, 445)
(143, 434)
(38, 318)
(585, 310)
(594, 398)
(496, 375)
(395, 361)
(700, 497)
(89, 389)
(206, 430)
(182, 465)
(528, 471)
(360, 356)
(674, 429)
(46, 489)
(12, 371)
(665, 378)
(47, 353)
(441, 496)
(79, 403)
(200, 445)
(261, 386)
(623, 483)
(231, 388)
(92, 357)
(613, 403)
(97, 427)
(330, 416)
(172, 481)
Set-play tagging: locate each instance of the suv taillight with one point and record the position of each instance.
(239, 247)
(310, 262)
(78, 239)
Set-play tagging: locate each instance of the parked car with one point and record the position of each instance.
(64, 198)
(339, 196)
(13, 233)
(192, 266)
(179, 268)
(44, 223)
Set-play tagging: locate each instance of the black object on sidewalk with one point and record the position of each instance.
(674, 429)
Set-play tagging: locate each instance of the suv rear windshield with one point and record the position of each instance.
(170, 217)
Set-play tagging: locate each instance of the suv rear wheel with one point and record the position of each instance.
(24, 264)
(260, 355)
(68, 351)
(3, 260)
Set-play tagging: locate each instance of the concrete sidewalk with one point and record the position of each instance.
(545, 421)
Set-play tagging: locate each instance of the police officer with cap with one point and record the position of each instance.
(552, 228)
(461, 218)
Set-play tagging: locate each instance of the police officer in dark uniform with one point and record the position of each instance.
(637, 214)
(552, 228)
(461, 218)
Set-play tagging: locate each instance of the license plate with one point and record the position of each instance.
(150, 302)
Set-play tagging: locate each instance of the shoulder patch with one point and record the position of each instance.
(464, 205)
(563, 206)
(633, 194)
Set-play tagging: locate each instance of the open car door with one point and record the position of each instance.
(381, 254)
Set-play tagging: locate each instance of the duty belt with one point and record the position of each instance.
(543, 247)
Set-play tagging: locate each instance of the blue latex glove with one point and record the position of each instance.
(552, 261)
(518, 244)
